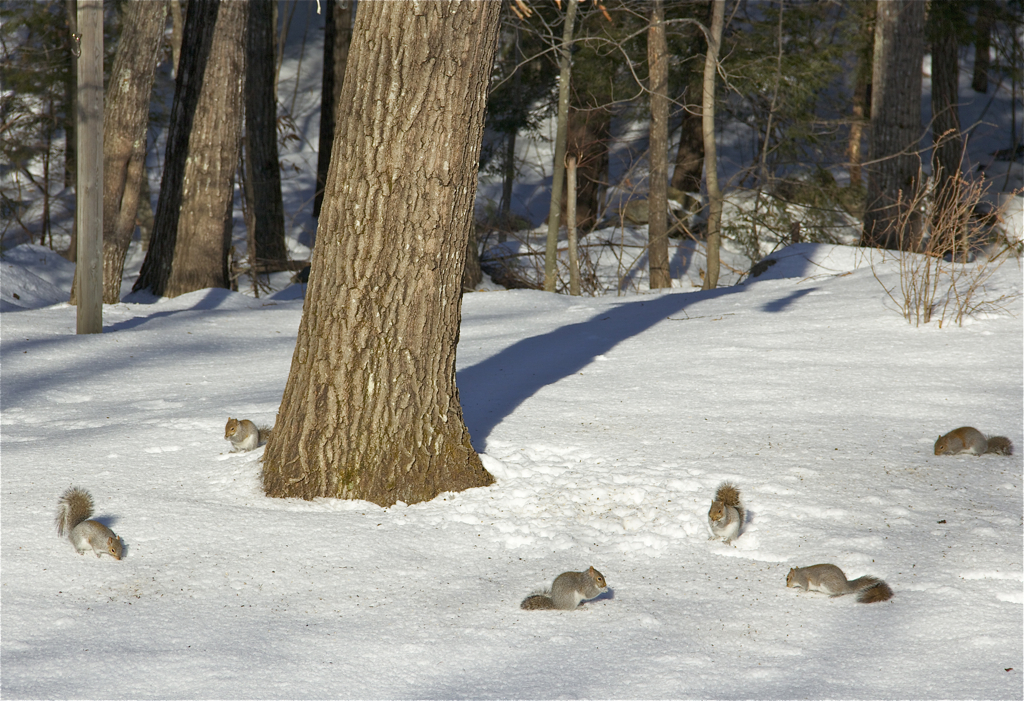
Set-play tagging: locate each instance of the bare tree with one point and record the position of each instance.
(370, 410)
(710, 152)
(337, 38)
(190, 241)
(895, 124)
(125, 118)
(263, 167)
(943, 22)
(558, 171)
(657, 199)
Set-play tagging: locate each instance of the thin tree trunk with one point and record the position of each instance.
(370, 410)
(125, 119)
(558, 172)
(337, 38)
(657, 198)
(188, 249)
(588, 136)
(710, 152)
(889, 222)
(261, 158)
(948, 142)
(982, 44)
(864, 11)
(70, 125)
(570, 225)
(690, 154)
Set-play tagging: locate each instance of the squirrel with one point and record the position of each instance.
(726, 515)
(73, 510)
(245, 435)
(567, 591)
(831, 580)
(967, 439)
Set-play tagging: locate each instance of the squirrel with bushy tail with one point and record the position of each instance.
(73, 511)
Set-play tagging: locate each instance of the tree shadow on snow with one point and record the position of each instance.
(492, 389)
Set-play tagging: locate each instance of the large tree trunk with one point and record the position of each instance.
(370, 410)
(188, 250)
(337, 38)
(889, 221)
(263, 175)
(948, 142)
(125, 118)
(657, 198)
(710, 152)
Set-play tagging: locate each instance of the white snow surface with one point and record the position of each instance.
(608, 423)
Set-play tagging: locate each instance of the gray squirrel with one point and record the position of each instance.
(831, 580)
(73, 511)
(244, 434)
(970, 440)
(567, 591)
(726, 515)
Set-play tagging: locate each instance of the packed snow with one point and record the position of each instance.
(608, 421)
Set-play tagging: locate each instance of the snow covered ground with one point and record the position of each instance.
(608, 423)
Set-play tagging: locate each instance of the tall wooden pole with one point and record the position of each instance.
(89, 191)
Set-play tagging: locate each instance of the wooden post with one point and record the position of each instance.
(89, 190)
(570, 216)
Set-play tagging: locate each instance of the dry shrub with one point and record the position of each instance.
(947, 279)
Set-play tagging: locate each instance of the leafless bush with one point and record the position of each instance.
(947, 280)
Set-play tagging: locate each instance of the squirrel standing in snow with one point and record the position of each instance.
(726, 516)
(244, 435)
(73, 511)
(967, 439)
(831, 580)
(567, 591)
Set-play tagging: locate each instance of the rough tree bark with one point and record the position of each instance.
(188, 249)
(370, 410)
(337, 38)
(125, 118)
(892, 181)
(657, 197)
(263, 167)
(710, 152)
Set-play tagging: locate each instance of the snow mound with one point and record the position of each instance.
(32, 277)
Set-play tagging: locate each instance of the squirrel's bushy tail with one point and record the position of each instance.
(74, 506)
(1000, 445)
(871, 590)
(537, 602)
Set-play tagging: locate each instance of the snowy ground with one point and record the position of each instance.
(608, 423)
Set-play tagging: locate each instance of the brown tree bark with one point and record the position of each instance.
(188, 248)
(657, 197)
(337, 39)
(370, 410)
(125, 118)
(892, 185)
(263, 167)
(690, 154)
(946, 137)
